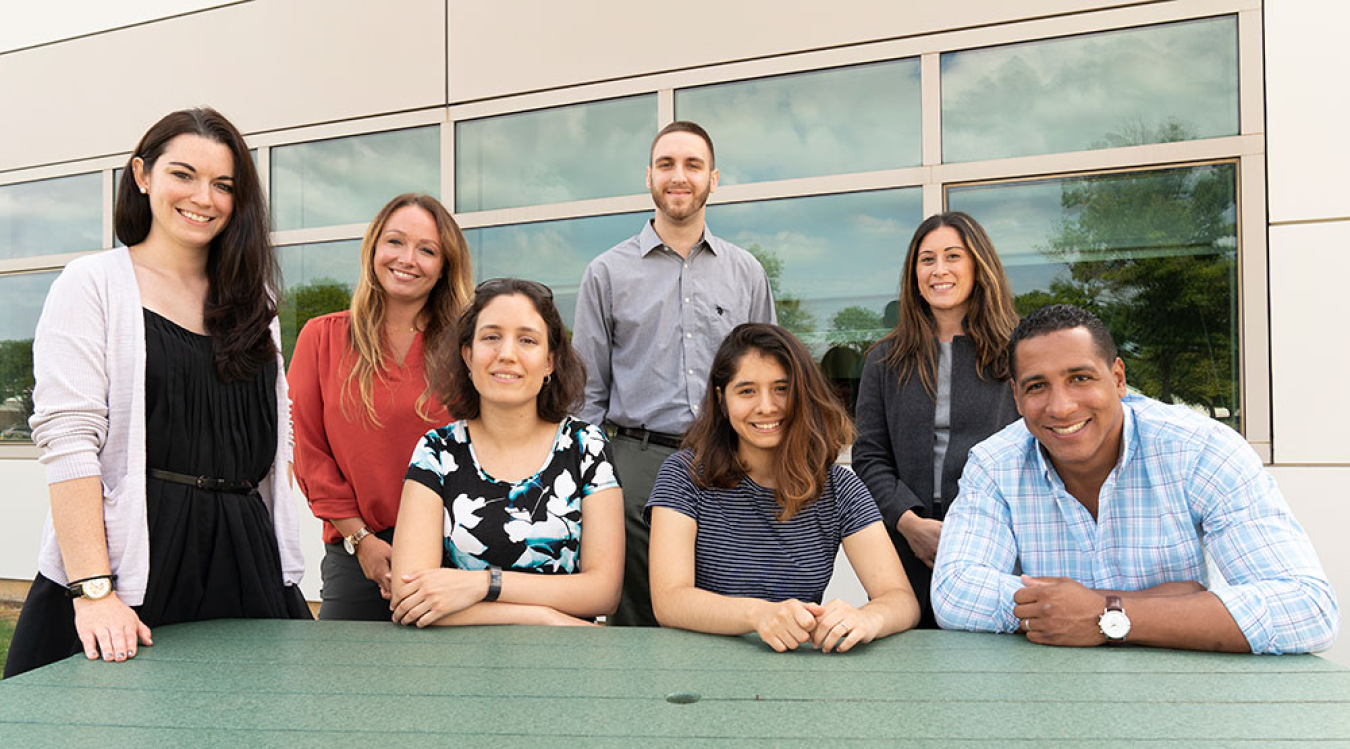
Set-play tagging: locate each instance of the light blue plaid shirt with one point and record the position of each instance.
(1184, 486)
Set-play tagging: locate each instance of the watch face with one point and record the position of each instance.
(96, 588)
(1115, 625)
(347, 544)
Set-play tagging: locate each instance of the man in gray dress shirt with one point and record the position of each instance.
(651, 313)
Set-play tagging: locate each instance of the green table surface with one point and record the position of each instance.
(334, 684)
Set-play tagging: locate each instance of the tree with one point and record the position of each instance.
(856, 327)
(1153, 255)
(16, 378)
(307, 301)
(791, 314)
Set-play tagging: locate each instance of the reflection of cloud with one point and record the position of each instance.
(854, 119)
(1069, 94)
(23, 295)
(50, 216)
(348, 180)
(832, 246)
(591, 150)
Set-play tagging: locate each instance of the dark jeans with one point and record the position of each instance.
(637, 465)
(347, 594)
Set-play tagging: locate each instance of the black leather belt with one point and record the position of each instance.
(204, 482)
(656, 438)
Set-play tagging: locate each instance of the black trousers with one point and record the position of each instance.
(347, 594)
(637, 465)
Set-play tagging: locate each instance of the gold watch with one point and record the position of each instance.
(351, 542)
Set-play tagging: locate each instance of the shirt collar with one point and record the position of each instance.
(649, 240)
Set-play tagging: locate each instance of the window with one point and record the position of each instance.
(347, 180)
(592, 150)
(23, 295)
(51, 216)
(854, 119)
(1153, 253)
(319, 279)
(1156, 84)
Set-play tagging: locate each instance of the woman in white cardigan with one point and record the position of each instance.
(160, 407)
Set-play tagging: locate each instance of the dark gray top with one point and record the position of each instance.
(649, 321)
(894, 450)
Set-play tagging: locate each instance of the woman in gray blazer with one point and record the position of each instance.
(935, 386)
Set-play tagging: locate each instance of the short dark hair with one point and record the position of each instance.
(1057, 317)
(685, 126)
(556, 398)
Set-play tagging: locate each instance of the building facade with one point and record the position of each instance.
(1174, 165)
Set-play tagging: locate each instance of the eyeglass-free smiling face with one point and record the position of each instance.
(408, 256)
(681, 175)
(190, 188)
(945, 271)
(509, 356)
(1069, 397)
(758, 407)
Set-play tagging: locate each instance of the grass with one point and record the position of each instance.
(9, 614)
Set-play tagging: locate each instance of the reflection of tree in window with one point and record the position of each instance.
(307, 301)
(788, 306)
(1155, 256)
(16, 388)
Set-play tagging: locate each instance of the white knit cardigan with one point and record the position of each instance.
(89, 416)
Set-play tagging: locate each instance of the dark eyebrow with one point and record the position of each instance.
(193, 169)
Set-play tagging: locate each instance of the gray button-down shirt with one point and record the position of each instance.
(649, 321)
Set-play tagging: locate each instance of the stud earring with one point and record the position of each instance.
(143, 190)
(547, 379)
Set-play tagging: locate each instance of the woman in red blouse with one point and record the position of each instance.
(361, 398)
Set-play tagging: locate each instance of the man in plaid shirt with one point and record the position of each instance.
(1109, 504)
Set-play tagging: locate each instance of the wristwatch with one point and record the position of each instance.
(93, 588)
(351, 542)
(1113, 622)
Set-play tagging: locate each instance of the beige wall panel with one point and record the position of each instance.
(25, 504)
(1309, 356)
(542, 45)
(1307, 108)
(1320, 498)
(266, 64)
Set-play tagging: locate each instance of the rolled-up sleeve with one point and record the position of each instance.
(1275, 588)
(70, 394)
(973, 584)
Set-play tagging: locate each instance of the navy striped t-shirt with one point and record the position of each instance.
(742, 550)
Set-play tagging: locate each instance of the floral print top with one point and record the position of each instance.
(532, 525)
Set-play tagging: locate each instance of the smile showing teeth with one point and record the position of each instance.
(1069, 429)
(404, 275)
(942, 286)
(194, 216)
(769, 427)
(506, 375)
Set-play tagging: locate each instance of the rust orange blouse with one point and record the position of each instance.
(348, 467)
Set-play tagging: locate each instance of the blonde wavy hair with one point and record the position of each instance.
(368, 344)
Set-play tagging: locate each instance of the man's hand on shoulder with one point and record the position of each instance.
(1059, 611)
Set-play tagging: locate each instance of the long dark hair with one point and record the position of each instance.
(558, 397)
(990, 316)
(450, 294)
(817, 426)
(241, 266)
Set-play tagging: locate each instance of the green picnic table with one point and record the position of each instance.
(334, 684)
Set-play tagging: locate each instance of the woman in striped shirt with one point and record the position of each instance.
(747, 519)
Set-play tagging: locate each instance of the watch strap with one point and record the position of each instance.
(494, 590)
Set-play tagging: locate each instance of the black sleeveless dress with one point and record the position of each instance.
(213, 554)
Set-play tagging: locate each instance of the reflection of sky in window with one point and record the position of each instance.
(348, 180)
(333, 261)
(23, 295)
(1024, 218)
(51, 216)
(554, 253)
(592, 150)
(1093, 91)
(837, 250)
(854, 119)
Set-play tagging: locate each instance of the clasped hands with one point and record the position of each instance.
(428, 596)
(833, 627)
(1059, 611)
